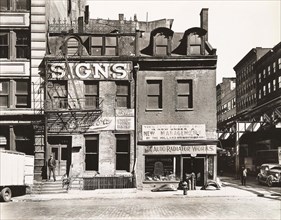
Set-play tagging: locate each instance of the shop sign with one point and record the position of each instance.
(103, 123)
(124, 112)
(125, 123)
(179, 150)
(173, 132)
(90, 70)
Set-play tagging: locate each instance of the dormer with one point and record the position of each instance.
(160, 42)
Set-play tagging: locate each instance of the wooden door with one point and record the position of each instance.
(59, 152)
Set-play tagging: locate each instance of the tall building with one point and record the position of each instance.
(23, 40)
(254, 133)
(246, 80)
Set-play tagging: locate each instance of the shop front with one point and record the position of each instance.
(171, 152)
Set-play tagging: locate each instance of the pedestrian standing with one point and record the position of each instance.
(52, 167)
(244, 176)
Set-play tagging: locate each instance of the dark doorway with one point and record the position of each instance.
(194, 165)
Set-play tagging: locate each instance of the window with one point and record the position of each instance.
(12, 5)
(264, 90)
(274, 85)
(279, 63)
(22, 44)
(184, 94)
(154, 94)
(123, 94)
(274, 67)
(22, 88)
(73, 47)
(15, 44)
(14, 93)
(162, 168)
(104, 46)
(195, 44)
(58, 94)
(259, 77)
(161, 44)
(4, 93)
(4, 45)
(91, 94)
(269, 87)
(92, 153)
(279, 81)
(264, 73)
(110, 46)
(123, 152)
(268, 70)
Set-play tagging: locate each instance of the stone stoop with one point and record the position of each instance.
(48, 187)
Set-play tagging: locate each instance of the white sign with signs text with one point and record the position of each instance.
(173, 132)
(91, 70)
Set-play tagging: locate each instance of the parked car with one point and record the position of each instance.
(270, 174)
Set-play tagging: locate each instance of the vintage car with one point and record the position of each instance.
(270, 174)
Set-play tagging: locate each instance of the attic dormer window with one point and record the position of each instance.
(160, 45)
(194, 44)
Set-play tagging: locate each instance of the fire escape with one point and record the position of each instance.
(65, 110)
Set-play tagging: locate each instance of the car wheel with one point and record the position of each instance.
(6, 194)
(269, 181)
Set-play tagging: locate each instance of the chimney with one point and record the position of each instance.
(204, 20)
(121, 17)
(135, 17)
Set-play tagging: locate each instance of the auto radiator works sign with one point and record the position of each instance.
(173, 132)
(179, 150)
(90, 70)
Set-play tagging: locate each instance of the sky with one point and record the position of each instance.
(235, 27)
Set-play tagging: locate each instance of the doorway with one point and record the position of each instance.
(59, 147)
(194, 165)
(60, 155)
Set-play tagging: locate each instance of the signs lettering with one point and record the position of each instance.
(90, 70)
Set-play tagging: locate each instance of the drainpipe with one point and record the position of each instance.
(136, 69)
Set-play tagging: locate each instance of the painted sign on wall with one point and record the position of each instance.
(179, 150)
(173, 132)
(91, 70)
(125, 123)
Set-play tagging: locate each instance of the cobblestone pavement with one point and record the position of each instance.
(233, 201)
(179, 207)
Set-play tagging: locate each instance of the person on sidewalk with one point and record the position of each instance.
(244, 176)
(52, 167)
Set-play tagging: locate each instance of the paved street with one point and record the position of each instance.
(233, 201)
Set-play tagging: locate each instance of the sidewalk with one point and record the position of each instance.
(231, 188)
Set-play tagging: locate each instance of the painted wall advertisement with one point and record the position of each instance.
(173, 132)
(179, 150)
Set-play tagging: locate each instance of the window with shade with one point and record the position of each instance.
(122, 94)
(154, 95)
(184, 94)
(91, 94)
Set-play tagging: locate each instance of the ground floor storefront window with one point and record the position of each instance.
(162, 168)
